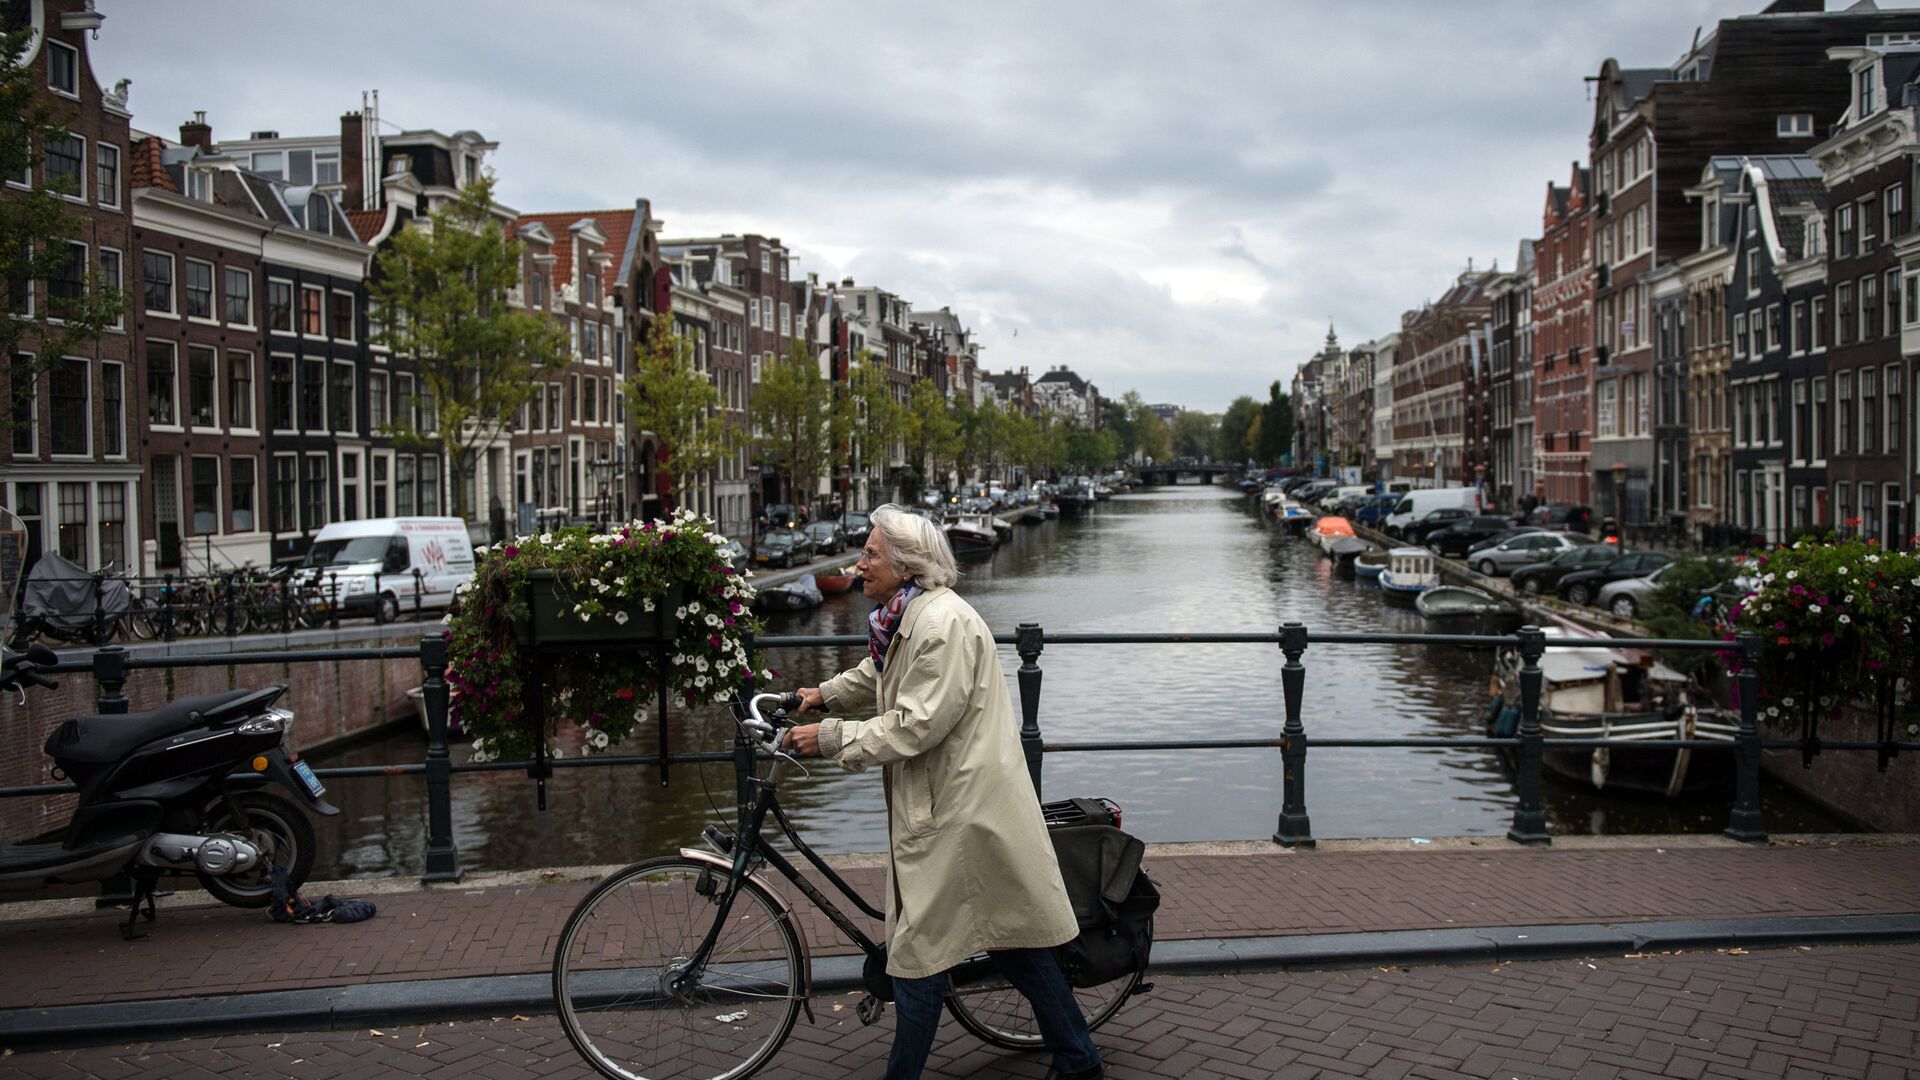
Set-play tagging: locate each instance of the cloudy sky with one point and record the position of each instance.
(1174, 198)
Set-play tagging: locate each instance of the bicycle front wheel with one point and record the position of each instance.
(1000, 1016)
(629, 1005)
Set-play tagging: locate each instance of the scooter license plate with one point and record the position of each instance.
(305, 772)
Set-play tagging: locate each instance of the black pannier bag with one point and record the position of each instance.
(1113, 898)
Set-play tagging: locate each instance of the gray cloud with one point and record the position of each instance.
(1173, 198)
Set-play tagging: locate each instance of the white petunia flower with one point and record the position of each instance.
(646, 605)
(1814, 608)
(620, 618)
(598, 740)
(1845, 619)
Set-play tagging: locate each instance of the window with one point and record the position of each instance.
(382, 466)
(73, 523)
(162, 384)
(589, 340)
(206, 495)
(1820, 428)
(1797, 441)
(280, 392)
(63, 68)
(1869, 411)
(429, 484)
(26, 406)
(313, 395)
(69, 283)
(201, 380)
(106, 174)
(1890, 442)
(766, 315)
(1794, 125)
(535, 420)
(239, 296)
(1774, 329)
(1843, 314)
(403, 486)
(1869, 307)
(156, 270)
(1864, 81)
(343, 316)
(573, 399)
(554, 422)
(1843, 230)
(340, 396)
(311, 299)
(753, 312)
(269, 163)
(786, 319)
(113, 524)
(591, 412)
(1753, 271)
(1894, 202)
(313, 491)
(199, 289)
(349, 486)
(1843, 422)
(112, 277)
(114, 407)
(70, 422)
(1869, 223)
(1604, 417)
(239, 389)
(280, 306)
(1817, 323)
(1774, 427)
(66, 165)
(539, 288)
(286, 492)
(1890, 324)
(242, 492)
(1740, 337)
(376, 400)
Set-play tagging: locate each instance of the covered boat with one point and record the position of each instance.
(796, 595)
(836, 582)
(1368, 565)
(969, 534)
(1328, 529)
(1410, 571)
(1345, 550)
(1455, 609)
(1591, 691)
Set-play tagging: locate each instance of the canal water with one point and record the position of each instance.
(1165, 560)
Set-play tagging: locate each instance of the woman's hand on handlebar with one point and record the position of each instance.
(811, 699)
(804, 740)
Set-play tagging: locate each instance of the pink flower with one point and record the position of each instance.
(510, 551)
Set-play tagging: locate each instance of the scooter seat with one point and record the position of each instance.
(102, 738)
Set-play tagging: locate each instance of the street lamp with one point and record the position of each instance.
(601, 469)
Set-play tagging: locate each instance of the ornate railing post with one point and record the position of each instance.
(1294, 829)
(378, 607)
(166, 607)
(1747, 822)
(110, 671)
(1028, 641)
(1530, 817)
(333, 601)
(443, 857)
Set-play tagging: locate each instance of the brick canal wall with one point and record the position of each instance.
(331, 700)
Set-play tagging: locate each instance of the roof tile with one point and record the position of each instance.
(148, 170)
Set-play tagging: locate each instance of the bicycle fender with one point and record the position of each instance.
(724, 865)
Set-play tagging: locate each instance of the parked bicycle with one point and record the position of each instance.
(692, 966)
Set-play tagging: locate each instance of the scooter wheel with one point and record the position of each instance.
(282, 833)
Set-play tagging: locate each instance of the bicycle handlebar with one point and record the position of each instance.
(765, 730)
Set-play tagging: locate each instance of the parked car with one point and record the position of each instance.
(1582, 586)
(827, 536)
(782, 547)
(1416, 505)
(1373, 509)
(1624, 599)
(857, 525)
(1416, 532)
(1562, 516)
(737, 554)
(1543, 577)
(393, 563)
(1459, 538)
(783, 516)
(1514, 552)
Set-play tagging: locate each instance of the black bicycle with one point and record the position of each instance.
(692, 966)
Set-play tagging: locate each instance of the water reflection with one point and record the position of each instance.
(1166, 560)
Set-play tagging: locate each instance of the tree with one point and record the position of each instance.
(439, 293)
(796, 420)
(35, 226)
(929, 430)
(1276, 426)
(1151, 438)
(874, 419)
(1230, 442)
(1193, 434)
(669, 397)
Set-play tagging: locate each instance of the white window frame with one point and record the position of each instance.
(121, 374)
(86, 425)
(1890, 387)
(1818, 421)
(293, 307)
(179, 403)
(173, 286)
(86, 266)
(215, 283)
(57, 48)
(225, 271)
(219, 502)
(299, 312)
(353, 319)
(33, 407)
(353, 394)
(1796, 445)
(1793, 126)
(86, 182)
(253, 383)
(101, 151)
(217, 390)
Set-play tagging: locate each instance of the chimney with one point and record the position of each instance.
(353, 161)
(196, 132)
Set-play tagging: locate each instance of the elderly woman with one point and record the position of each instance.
(972, 868)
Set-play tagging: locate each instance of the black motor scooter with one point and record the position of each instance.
(172, 792)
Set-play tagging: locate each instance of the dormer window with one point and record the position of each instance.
(199, 185)
(1865, 94)
(1794, 125)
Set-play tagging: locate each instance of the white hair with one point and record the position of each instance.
(916, 546)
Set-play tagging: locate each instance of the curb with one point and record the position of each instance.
(439, 1000)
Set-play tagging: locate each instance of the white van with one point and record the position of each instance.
(1419, 502)
(378, 558)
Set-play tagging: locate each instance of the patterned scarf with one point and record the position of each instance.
(884, 620)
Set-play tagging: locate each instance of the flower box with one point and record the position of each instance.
(551, 619)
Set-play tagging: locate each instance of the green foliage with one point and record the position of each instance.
(930, 430)
(1231, 439)
(874, 419)
(605, 694)
(1194, 434)
(667, 396)
(1276, 427)
(797, 420)
(440, 288)
(1838, 621)
(35, 226)
(1153, 440)
(1695, 594)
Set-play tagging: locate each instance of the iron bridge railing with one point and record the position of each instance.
(111, 665)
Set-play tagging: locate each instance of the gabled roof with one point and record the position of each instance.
(615, 225)
(1063, 376)
(148, 170)
(367, 224)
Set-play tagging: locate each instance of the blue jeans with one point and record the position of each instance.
(1034, 972)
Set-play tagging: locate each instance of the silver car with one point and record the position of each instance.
(1517, 551)
(1624, 599)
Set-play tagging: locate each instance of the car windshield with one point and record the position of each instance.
(774, 540)
(856, 519)
(359, 549)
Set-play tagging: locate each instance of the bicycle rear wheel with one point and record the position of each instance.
(615, 968)
(999, 1015)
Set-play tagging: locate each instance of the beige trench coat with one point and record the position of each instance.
(972, 867)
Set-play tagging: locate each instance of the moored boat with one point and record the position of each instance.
(1455, 609)
(1410, 571)
(1345, 550)
(1369, 564)
(836, 582)
(1595, 692)
(969, 534)
(1326, 530)
(796, 595)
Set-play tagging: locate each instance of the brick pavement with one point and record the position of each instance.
(466, 931)
(1840, 1012)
